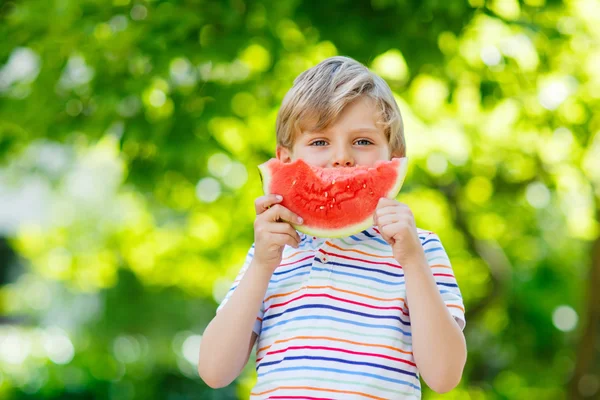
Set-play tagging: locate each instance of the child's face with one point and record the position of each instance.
(354, 139)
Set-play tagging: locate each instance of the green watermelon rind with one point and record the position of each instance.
(265, 175)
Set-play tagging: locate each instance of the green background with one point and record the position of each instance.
(130, 132)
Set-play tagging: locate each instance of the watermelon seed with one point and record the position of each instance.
(364, 186)
(326, 194)
(294, 182)
(322, 207)
(371, 193)
(348, 187)
(333, 199)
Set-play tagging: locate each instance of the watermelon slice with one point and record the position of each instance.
(334, 202)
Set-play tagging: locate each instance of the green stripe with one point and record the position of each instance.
(279, 382)
(286, 285)
(331, 279)
(396, 291)
(322, 328)
(437, 258)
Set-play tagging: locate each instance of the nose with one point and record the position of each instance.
(343, 158)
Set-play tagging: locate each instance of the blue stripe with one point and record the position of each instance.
(366, 233)
(289, 277)
(414, 375)
(293, 269)
(430, 240)
(451, 292)
(232, 289)
(374, 279)
(362, 268)
(447, 284)
(359, 276)
(434, 249)
(372, 237)
(393, 317)
(309, 240)
(389, 327)
(384, 378)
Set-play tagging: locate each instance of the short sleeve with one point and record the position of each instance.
(444, 277)
(258, 323)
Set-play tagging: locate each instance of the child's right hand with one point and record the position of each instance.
(272, 230)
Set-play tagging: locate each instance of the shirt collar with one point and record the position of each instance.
(363, 235)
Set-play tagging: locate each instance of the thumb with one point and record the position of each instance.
(390, 240)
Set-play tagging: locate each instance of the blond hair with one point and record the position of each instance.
(321, 93)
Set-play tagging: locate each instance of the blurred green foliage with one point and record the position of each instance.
(130, 132)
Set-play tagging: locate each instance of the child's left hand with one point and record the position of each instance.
(396, 223)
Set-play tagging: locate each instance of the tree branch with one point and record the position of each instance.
(587, 351)
(489, 251)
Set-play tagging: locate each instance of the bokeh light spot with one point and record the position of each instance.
(391, 65)
(208, 190)
(191, 348)
(537, 194)
(219, 164)
(565, 318)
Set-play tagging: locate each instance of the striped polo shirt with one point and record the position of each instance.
(334, 323)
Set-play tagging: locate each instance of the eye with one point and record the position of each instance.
(363, 142)
(319, 143)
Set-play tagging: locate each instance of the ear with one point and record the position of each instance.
(284, 154)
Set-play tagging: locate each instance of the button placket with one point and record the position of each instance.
(326, 259)
(314, 243)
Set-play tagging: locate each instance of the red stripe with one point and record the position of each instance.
(340, 350)
(294, 262)
(360, 259)
(336, 298)
(299, 397)
(448, 275)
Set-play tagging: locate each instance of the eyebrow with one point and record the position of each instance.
(355, 130)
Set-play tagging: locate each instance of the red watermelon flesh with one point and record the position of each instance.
(334, 202)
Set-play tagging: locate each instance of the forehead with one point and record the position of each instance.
(360, 115)
(362, 111)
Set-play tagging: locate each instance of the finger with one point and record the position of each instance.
(270, 232)
(396, 209)
(287, 229)
(279, 213)
(282, 239)
(388, 231)
(263, 203)
(388, 219)
(384, 201)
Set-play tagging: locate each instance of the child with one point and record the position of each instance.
(331, 316)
